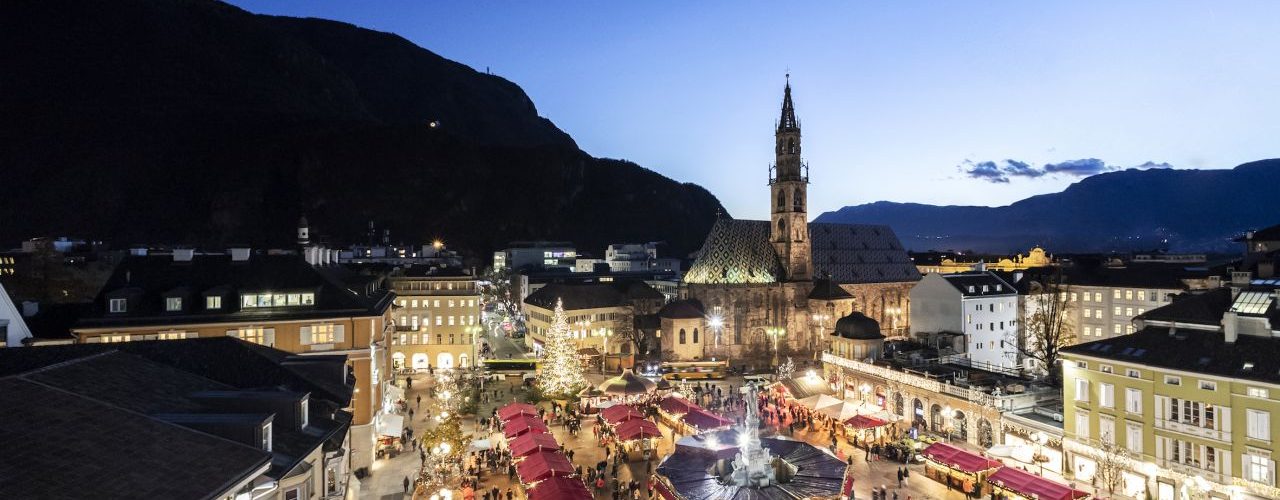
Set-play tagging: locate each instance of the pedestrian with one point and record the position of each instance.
(406, 484)
(419, 401)
(899, 477)
(510, 495)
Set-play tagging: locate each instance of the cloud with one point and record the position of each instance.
(1079, 168)
(1004, 171)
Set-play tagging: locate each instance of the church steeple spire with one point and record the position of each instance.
(788, 120)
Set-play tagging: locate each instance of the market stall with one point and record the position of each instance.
(672, 408)
(522, 425)
(559, 488)
(1017, 484)
(637, 436)
(628, 387)
(531, 443)
(514, 410)
(866, 427)
(698, 420)
(543, 465)
(957, 468)
(618, 414)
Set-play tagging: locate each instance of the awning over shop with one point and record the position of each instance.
(637, 429)
(542, 465)
(704, 420)
(1032, 486)
(864, 422)
(390, 424)
(841, 411)
(663, 491)
(531, 443)
(513, 410)
(678, 406)
(959, 459)
(522, 425)
(819, 401)
(806, 386)
(618, 414)
(560, 488)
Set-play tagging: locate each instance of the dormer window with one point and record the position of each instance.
(172, 304)
(984, 288)
(305, 418)
(213, 302)
(971, 288)
(255, 300)
(266, 436)
(117, 305)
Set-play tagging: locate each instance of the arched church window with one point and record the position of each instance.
(797, 199)
(782, 228)
(791, 145)
(682, 335)
(695, 335)
(782, 199)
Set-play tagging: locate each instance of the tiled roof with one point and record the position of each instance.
(825, 289)
(592, 295)
(1142, 275)
(739, 252)
(736, 252)
(682, 309)
(1198, 351)
(1202, 308)
(61, 444)
(859, 253)
(147, 280)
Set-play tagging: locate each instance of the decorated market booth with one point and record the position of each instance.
(672, 408)
(637, 436)
(1017, 484)
(960, 469)
(617, 414)
(698, 420)
(522, 425)
(542, 465)
(867, 428)
(531, 443)
(559, 488)
(628, 388)
(514, 410)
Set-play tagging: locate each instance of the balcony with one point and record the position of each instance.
(1193, 430)
(1008, 402)
(1192, 471)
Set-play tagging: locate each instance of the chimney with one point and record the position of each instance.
(240, 254)
(183, 254)
(1230, 327)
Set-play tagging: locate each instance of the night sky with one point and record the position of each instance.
(981, 104)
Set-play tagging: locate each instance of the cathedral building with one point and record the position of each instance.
(789, 280)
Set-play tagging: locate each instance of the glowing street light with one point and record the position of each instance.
(775, 332)
(716, 322)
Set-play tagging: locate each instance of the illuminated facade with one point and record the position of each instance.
(754, 278)
(437, 320)
(1037, 257)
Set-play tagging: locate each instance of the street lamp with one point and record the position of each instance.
(606, 333)
(717, 324)
(775, 332)
(821, 320)
(949, 415)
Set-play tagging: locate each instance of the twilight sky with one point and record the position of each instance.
(983, 104)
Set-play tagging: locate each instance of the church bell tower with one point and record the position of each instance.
(788, 181)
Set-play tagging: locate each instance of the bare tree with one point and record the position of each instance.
(627, 331)
(500, 290)
(1047, 328)
(1111, 462)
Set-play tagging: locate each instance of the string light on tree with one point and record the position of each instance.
(561, 368)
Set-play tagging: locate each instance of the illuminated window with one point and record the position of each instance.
(255, 334)
(213, 302)
(1115, 294)
(322, 334)
(117, 305)
(172, 304)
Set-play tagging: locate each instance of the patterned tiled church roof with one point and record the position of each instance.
(736, 252)
(739, 252)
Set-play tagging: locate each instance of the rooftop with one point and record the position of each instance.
(980, 284)
(1199, 351)
(593, 295)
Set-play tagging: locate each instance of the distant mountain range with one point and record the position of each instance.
(192, 121)
(1179, 210)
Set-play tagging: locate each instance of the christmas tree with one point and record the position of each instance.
(561, 370)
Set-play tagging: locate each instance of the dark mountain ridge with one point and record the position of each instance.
(192, 121)
(1180, 210)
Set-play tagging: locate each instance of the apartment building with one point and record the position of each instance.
(279, 301)
(1186, 400)
(979, 305)
(437, 319)
(597, 313)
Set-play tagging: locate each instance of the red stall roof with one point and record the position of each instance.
(513, 410)
(660, 487)
(1033, 486)
(959, 459)
(523, 424)
(617, 414)
(703, 419)
(864, 422)
(527, 444)
(678, 406)
(637, 429)
(560, 488)
(542, 465)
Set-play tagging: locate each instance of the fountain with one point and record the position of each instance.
(723, 464)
